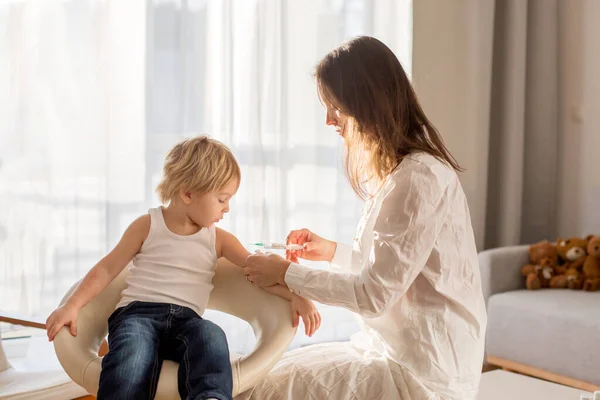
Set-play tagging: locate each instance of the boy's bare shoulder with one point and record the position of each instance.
(142, 222)
(222, 234)
(140, 227)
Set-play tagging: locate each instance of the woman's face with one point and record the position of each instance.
(337, 119)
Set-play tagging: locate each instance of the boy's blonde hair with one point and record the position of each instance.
(197, 164)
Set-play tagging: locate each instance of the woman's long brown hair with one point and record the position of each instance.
(365, 80)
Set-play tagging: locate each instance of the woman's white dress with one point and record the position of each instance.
(412, 278)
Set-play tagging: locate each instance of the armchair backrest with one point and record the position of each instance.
(501, 269)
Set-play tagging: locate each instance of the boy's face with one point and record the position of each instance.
(209, 208)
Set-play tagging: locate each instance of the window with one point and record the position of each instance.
(97, 92)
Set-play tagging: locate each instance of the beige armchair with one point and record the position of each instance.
(33, 385)
(268, 315)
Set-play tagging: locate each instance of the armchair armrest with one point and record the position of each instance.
(16, 319)
(501, 269)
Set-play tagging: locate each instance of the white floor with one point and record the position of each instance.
(502, 385)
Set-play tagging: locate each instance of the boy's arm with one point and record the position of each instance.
(281, 291)
(112, 264)
(229, 246)
(99, 277)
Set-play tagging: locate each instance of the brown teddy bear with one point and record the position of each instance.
(572, 253)
(591, 265)
(541, 250)
(541, 275)
(543, 258)
(571, 279)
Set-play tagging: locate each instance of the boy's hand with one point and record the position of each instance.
(65, 315)
(306, 309)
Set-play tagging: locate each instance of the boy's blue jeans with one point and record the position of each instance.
(141, 335)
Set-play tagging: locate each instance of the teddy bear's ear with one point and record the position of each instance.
(589, 237)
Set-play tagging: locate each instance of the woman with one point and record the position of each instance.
(412, 274)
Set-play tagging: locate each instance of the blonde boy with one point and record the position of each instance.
(173, 251)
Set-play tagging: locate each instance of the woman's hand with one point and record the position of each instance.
(65, 315)
(266, 269)
(307, 310)
(315, 247)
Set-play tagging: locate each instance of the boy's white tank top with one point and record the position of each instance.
(171, 268)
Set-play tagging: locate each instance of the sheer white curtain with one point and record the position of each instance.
(72, 141)
(97, 92)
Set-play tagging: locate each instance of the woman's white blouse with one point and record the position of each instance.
(412, 276)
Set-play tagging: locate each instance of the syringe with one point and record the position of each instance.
(279, 246)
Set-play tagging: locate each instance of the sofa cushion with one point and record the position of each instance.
(556, 330)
